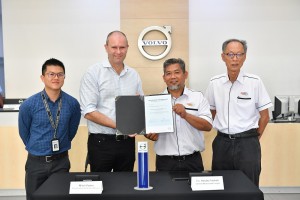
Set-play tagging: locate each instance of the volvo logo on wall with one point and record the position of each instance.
(162, 43)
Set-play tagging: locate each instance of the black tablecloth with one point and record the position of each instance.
(120, 185)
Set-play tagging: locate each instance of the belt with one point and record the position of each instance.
(110, 137)
(49, 158)
(245, 134)
(184, 157)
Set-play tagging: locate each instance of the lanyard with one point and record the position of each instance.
(54, 125)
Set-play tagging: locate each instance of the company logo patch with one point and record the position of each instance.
(190, 104)
(244, 93)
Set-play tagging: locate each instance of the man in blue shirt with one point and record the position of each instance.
(1, 98)
(48, 121)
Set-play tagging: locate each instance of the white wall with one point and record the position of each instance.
(271, 28)
(73, 31)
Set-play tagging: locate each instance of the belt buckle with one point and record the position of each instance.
(181, 158)
(121, 137)
(118, 138)
(231, 137)
(48, 159)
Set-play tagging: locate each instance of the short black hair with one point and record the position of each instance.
(52, 61)
(174, 61)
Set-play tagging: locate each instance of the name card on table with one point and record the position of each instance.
(11, 106)
(199, 183)
(86, 187)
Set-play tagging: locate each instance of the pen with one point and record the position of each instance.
(191, 109)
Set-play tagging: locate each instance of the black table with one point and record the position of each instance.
(120, 186)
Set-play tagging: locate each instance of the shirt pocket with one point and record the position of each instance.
(192, 111)
(244, 100)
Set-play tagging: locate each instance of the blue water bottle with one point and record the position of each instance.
(143, 170)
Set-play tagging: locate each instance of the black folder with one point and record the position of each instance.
(130, 115)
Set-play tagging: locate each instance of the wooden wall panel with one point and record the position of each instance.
(12, 158)
(135, 17)
(154, 9)
(280, 155)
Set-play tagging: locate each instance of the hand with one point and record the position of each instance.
(132, 135)
(152, 136)
(179, 109)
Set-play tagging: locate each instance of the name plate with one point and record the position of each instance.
(11, 106)
(199, 183)
(86, 187)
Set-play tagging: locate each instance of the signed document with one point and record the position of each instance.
(144, 114)
(158, 114)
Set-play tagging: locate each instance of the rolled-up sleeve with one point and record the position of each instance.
(88, 93)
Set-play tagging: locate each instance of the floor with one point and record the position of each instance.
(280, 196)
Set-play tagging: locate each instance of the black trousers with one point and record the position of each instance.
(107, 154)
(238, 154)
(192, 163)
(38, 171)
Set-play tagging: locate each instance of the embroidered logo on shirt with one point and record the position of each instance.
(244, 96)
(190, 104)
(244, 93)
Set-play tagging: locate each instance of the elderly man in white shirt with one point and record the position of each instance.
(239, 104)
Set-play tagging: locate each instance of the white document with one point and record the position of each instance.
(199, 183)
(86, 187)
(158, 114)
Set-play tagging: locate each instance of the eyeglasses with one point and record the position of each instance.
(52, 75)
(232, 55)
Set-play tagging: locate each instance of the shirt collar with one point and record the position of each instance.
(185, 91)
(107, 64)
(240, 77)
(47, 97)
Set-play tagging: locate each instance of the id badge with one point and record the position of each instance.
(55, 145)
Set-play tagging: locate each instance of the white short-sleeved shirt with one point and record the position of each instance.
(237, 104)
(99, 87)
(186, 139)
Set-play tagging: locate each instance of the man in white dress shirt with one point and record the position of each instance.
(239, 104)
(100, 85)
(180, 150)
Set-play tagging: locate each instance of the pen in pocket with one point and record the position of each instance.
(191, 109)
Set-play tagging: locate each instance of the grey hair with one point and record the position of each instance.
(174, 61)
(243, 42)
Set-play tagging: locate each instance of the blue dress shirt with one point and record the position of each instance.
(35, 128)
